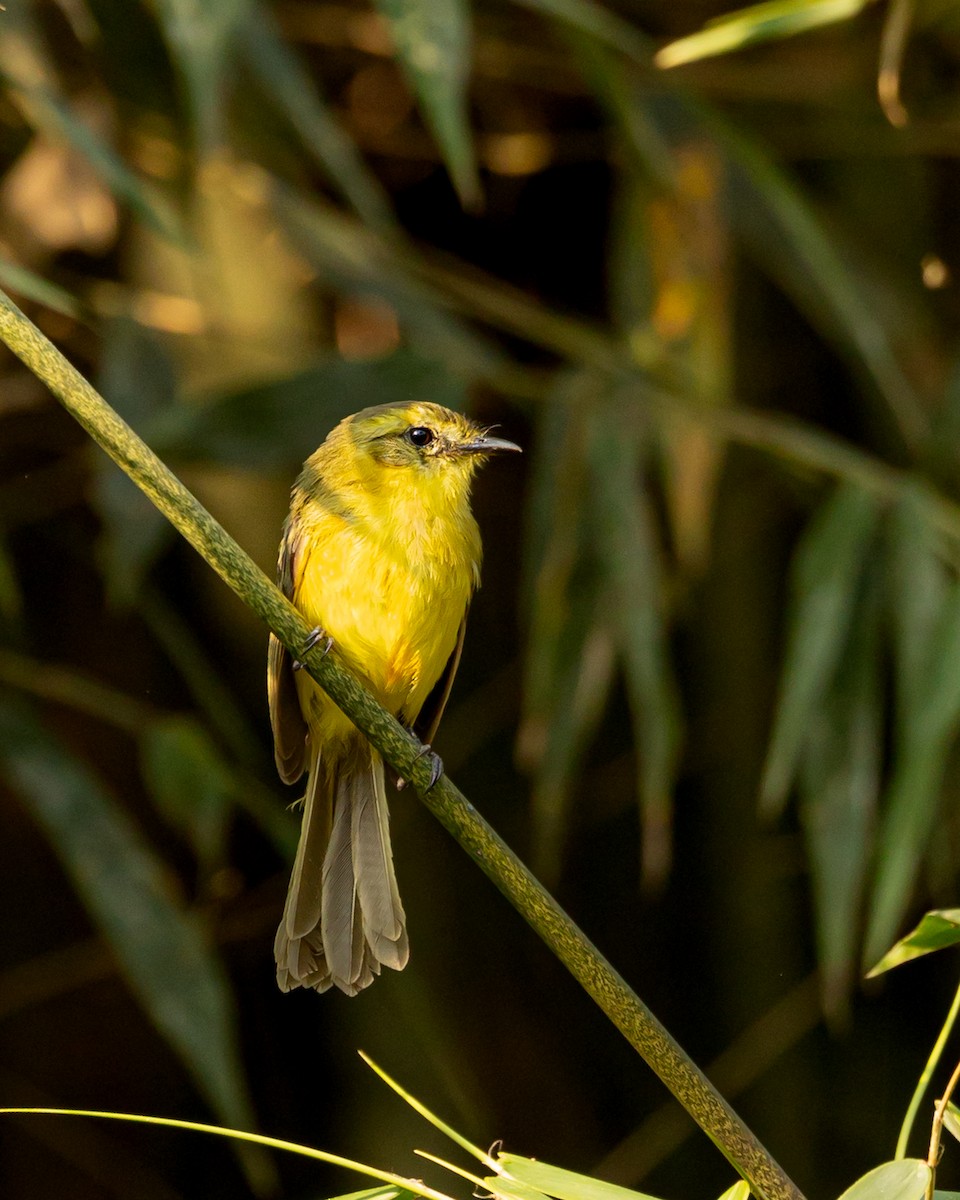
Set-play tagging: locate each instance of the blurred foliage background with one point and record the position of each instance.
(711, 688)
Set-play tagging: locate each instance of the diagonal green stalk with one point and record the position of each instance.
(402, 751)
(924, 1081)
(258, 1139)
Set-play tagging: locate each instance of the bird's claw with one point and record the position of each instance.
(314, 637)
(436, 768)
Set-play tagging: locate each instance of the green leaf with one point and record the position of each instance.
(137, 378)
(928, 730)
(918, 583)
(738, 1191)
(202, 35)
(570, 651)
(951, 1122)
(359, 262)
(17, 279)
(599, 23)
(758, 23)
(627, 546)
(561, 1183)
(292, 88)
(936, 931)
(903, 1179)
(825, 582)
(160, 947)
(498, 1186)
(432, 39)
(189, 783)
(839, 782)
(375, 1193)
(26, 69)
(279, 422)
(773, 216)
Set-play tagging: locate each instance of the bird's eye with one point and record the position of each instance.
(420, 436)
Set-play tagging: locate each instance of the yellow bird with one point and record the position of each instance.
(381, 554)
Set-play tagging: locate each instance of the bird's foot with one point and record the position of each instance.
(314, 638)
(436, 767)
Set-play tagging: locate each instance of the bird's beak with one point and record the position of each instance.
(486, 445)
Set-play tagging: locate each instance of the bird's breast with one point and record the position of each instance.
(391, 593)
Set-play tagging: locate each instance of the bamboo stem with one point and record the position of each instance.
(545, 916)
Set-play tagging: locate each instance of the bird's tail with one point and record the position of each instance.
(343, 918)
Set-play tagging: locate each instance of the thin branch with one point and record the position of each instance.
(924, 1081)
(630, 1015)
(933, 1154)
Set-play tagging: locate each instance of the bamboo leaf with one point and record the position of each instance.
(839, 782)
(189, 783)
(202, 36)
(273, 424)
(137, 378)
(632, 570)
(432, 39)
(937, 930)
(951, 1122)
(738, 1191)
(758, 23)
(561, 1183)
(598, 22)
(293, 90)
(825, 581)
(34, 287)
(902, 1179)
(918, 583)
(570, 656)
(357, 261)
(913, 798)
(776, 220)
(167, 962)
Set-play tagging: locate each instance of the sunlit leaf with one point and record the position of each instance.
(937, 930)
(432, 39)
(825, 582)
(419, 1107)
(951, 1122)
(292, 88)
(903, 1179)
(375, 1193)
(189, 783)
(165, 957)
(839, 783)
(561, 1183)
(738, 1191)
(758, 23)
(510, 1190)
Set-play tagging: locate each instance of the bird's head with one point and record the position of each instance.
(423, 437)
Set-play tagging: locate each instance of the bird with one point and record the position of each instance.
(381, 553)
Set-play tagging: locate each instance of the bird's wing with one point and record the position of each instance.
(286, 718)
(425, 726)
